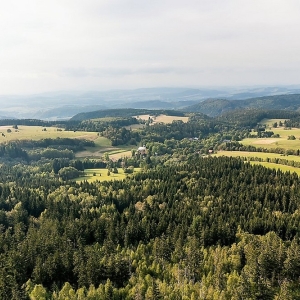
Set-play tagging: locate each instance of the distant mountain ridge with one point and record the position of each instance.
(216, 107)
(65, 104)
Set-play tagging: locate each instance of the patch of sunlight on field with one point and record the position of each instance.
(270, 122)
(163, 118)
(102, 142)
(135, 127)
(283, 168)
(170, 119)
(39, 132)
(281, 142)
(92, 175)
(121, 154)
(257, 154)
(268, 143)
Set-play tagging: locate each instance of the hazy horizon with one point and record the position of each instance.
(69, 45)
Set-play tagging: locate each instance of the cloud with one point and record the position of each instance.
(116, 72)
(131, 43)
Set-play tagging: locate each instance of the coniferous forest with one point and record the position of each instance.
(187, 226)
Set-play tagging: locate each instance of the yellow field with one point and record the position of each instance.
(163, 118)
(283, 168)
(37, 133)
(257, 154)
(101, 175)
(118, 155)
(262, 155)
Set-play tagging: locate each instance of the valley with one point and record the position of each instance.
(178, 206)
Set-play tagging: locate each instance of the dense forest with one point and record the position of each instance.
(187, 226)
(216, 107)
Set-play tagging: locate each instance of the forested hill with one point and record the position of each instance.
(124, 112)
(215, 107)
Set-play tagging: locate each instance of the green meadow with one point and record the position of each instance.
(262, 155)
(257, 154)
(277, 167)
(281, 142)
(92, 175)
(270, 122)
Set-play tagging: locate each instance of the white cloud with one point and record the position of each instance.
(51, 45)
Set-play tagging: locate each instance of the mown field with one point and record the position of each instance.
(284, 168)
(92, 175)
(163, 118)
(270, 122)
(277, 167)
(115, 155)
(281, 142)
(257, 154)
(39, 132)
(101, 149)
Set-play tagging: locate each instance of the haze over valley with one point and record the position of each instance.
(64, 105)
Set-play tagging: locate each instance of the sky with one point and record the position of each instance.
(86, 45)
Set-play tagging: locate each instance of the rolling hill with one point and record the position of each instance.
(216, 107)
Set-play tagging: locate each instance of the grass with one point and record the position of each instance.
(101, 175)
(257, 154)
(270, 122)
(283, 168)
(121, 154)
(163, 118)
(135, 127)
(37, 133)
(262, 155)
(281, 142)
(102, 142)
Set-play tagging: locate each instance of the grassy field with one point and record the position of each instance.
(257, 154)
(121, 154)
(163, 118)
(101, 175)
(277, 167)
(38, 132)
(270, 122)
(135, 127)
(281, 142)
(283, 168)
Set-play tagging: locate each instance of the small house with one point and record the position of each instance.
(142, 150)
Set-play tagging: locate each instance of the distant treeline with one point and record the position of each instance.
(51, 148)
(32, 122)
(127, 112)
(100, 125)
(216, 107)
(250, 117)
(236, 146)
(79, 144)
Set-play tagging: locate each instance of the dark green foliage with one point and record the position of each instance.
(68, 173)
(125, 112)
(215, 107)
(84, 233)
(185, 228)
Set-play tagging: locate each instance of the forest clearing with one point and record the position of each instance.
(91, 175)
